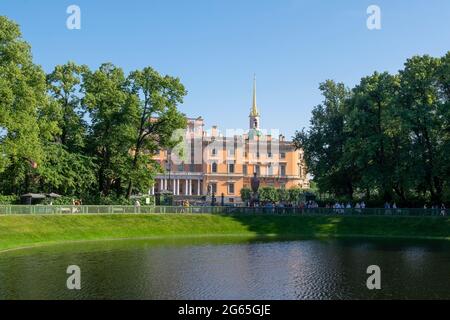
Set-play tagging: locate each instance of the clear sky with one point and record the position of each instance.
(215, 46)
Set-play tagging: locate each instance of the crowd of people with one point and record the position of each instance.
(340, 207)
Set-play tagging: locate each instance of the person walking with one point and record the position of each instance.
(358, 207)
(363, 205)
(387, 207)
(186, 206)
(137, 206)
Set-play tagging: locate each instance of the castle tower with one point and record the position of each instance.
(254, 114)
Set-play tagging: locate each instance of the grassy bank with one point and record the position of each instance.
(27, 230)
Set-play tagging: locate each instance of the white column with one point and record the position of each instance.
(190, 187)
(177, 186)
(198, 187)
(186, 190)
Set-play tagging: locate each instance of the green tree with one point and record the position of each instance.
(113, 110)
(66, 172)
(389, 136)
(246, 194)
(283, 195)
(324, 142)
(64, 85)
(158, 118)
(419, 98)
(374, 135)
(268, 194)
(443, 114)
(23, 101)
(295, 195)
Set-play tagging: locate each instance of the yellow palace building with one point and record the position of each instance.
(214, 163)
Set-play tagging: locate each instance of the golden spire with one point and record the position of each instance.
(254, 112)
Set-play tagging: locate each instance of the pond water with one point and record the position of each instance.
(229, 269)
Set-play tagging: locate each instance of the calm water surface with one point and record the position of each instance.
(229, 269)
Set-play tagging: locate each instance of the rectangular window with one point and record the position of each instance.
(214, 152)
(257, 170)
(214, 187)
(270, 170)
(180, 167)
(231, 188)
(283, 155)
(231, 152)
(244, 169)
(231, 168)
(191, 167)
(269, 154)
(283, 171)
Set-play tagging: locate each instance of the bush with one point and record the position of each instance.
(8, 200)
(100, 201)
(296, 195)
(268, 194)
(58, 201)
(246, 194)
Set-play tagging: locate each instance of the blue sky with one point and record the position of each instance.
(215, 46)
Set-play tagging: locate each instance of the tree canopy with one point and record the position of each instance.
(81, 132)
(387, 138)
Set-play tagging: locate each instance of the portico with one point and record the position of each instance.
(180, 184)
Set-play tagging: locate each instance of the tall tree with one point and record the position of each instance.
(67, 173)
(64, 85)
(22, 100)
(372, 128)
(66, 168)
(324, 142)
(113, 110)
(157, 121)
(419, 98)
(443, 74)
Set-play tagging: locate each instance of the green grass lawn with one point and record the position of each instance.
(27, 230)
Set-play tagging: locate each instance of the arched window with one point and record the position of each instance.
(214, 167)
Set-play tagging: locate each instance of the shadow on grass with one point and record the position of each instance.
(346, 226)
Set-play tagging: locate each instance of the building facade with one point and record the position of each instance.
(212, 163)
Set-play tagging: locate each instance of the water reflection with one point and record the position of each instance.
(229, 269)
